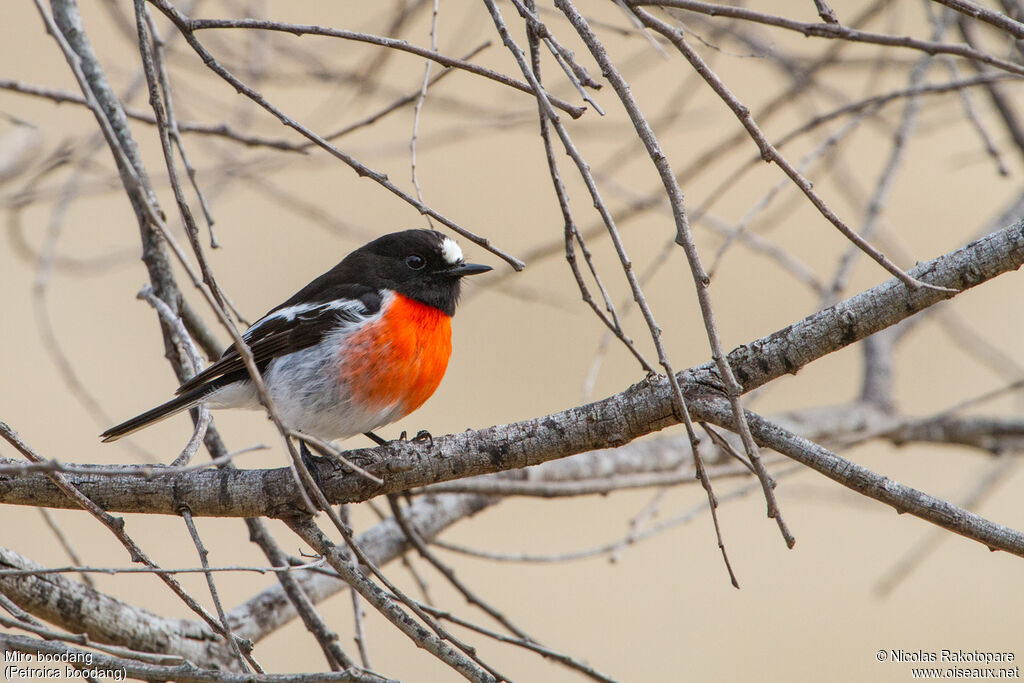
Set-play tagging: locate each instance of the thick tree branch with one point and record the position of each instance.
(79, 609)
(873, 485)
(643, 408)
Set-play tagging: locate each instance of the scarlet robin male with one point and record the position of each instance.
(359, 347)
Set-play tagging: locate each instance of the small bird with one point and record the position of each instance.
(359, 347)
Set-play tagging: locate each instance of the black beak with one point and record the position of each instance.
(463, 269)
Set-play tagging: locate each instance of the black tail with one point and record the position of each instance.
(172, 407)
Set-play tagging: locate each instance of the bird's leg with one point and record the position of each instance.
(306, 455)
(422, 436)
(309, 460)
(376, 439)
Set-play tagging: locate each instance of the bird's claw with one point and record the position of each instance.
(422, 436)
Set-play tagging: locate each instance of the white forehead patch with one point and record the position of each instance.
(451, 251)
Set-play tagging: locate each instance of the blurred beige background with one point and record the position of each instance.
(665, 611)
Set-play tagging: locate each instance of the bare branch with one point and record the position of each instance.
(837, 31)
(643, 408)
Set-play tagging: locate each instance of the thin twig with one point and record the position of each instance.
(330, 450)
(188, 27)
(998, 472)
(184, 341)
(571, 232)
(417, 576)
(684, 238)
(244, 658)
(114, 524)
(997, 19)
(160, 61)
(613, 547)
(300, 600)
(833, 31)
(346, 568)
(884, 183)
(358, 615)
(769, 151)
(525, 643)
(418, 108)
(65, 543)
(421, 547)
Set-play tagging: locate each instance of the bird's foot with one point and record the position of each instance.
(422, 436)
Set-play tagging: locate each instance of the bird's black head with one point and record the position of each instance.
(423, 265)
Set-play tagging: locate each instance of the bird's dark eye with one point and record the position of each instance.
(415, 262)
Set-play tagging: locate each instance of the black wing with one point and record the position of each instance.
(286, 329)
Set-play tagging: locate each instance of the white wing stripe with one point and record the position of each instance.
(290, 313)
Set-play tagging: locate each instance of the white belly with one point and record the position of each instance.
(309, 396)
